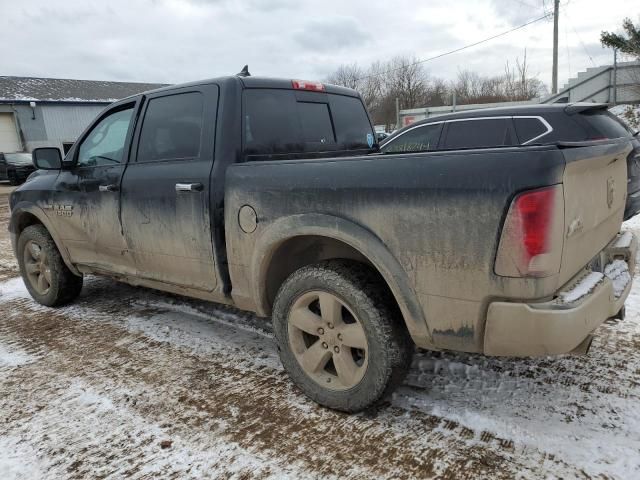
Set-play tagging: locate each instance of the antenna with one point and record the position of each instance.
(244, 72)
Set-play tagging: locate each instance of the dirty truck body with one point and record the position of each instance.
(504, 251)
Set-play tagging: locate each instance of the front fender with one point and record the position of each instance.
(23, 208)
(354, 235)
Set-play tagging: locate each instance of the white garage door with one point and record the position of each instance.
(8, 135)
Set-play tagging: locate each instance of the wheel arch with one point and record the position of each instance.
(317, 237)
(25, 215)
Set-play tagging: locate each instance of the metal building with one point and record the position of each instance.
(36, 112)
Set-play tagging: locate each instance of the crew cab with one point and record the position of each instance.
(271, 195)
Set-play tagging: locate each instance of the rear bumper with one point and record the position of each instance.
(565, 323)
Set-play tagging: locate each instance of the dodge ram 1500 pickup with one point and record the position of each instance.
(270, 195)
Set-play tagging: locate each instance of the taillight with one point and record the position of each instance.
(531, 241)
(304, 85)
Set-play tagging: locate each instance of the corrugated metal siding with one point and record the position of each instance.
(64, 123)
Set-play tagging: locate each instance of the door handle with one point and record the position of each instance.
(189, 187)
(108, 188)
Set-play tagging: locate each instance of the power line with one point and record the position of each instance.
(566, 43)
(581, 42)
(459, 49)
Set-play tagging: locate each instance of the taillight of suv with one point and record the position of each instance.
(531, 241)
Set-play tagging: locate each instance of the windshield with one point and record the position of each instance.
(22, 158)
(285, 123)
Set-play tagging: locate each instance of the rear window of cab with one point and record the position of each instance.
(282, 123)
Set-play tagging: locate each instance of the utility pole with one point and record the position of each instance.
(397, 113)
(615, 76)
(554, 75)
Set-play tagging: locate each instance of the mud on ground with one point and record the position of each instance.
(131, 382)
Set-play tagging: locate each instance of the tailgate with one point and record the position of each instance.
(595, 190)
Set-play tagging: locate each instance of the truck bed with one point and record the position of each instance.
(438, 214)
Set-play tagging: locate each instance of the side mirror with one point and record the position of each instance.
(47, 158)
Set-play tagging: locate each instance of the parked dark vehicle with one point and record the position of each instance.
(522, 125)
(270, 195)
(15, 167)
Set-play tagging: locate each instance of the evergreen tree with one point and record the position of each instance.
(628, 43)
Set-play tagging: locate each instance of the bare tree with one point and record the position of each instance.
(371, 87)
(347, 76)
(514, 84)
(519, 84)
(382, 83)
(406, 79)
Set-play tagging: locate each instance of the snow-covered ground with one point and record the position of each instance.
(131, 382)
(629, 113)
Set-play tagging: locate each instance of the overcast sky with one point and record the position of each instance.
(181, 40)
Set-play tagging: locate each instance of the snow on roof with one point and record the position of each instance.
(20, 89)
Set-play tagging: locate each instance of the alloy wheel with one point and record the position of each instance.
(328, 340)
(36, 264)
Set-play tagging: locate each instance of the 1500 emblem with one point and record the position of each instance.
(61, 210)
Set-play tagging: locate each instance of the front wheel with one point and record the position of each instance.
(341, 338)
(45, 274)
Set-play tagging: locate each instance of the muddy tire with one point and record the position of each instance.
(45, 274)
(340, 335)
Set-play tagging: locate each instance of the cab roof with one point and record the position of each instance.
(254, 82)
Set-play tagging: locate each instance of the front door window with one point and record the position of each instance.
(105, 144)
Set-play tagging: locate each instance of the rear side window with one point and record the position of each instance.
(485, 133)
(601, 124)
(172, 128)
(280, 123)
(419, 139)
(528, 129)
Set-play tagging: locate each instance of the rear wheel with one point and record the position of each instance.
(45, 274)
(340, 336)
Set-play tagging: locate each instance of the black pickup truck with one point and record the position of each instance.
(270, 195)
(15, 167)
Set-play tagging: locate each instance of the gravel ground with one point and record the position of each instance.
(128, 382)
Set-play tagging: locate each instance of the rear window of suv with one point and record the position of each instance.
(285, 123)
(601, 124)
